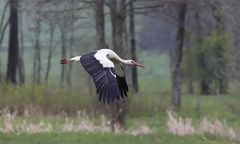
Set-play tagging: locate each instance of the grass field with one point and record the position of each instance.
(65, 130)
(83, 138)
(48, 114)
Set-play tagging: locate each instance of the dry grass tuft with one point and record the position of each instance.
(28, 127)
(31, 110)
(180, 126)
(8, 119)
(217, 128)
(82, 124)
(141, 130)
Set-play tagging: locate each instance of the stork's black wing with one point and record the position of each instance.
(122, 85)
(104, 77)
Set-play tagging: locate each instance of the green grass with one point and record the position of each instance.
(84, 138)
(211, 108)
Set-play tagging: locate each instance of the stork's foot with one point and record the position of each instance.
(64, 61)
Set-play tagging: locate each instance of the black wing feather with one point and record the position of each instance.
(122, 85)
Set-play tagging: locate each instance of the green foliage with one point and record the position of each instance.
(52, 100)
(42, 99)
(208, 59)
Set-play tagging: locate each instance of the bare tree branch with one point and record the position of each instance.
(3, 15)
(3, 31)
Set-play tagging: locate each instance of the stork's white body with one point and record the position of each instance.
(103, 55)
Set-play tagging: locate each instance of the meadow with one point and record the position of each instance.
(49, 114)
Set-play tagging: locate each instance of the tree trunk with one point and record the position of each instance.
(133, 45)
(100, 24)
(204, 82)
(190, 85)
(69, 80)
(117, 19)
(13, 51)
(117, 9)
(127, 53)
(63, 51)
(100, 32)
(21, 70)
(2, 34)
(3, 26)
(51, 28)
(204, 85)
(113, 14)
(39, 63)
(177, 58)
(220, 53)
(21, 66)
(3, 31)
(37, 54)
(34, 63)
(3, 15)
(189, 42)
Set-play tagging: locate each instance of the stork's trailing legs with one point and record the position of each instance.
(67, 61)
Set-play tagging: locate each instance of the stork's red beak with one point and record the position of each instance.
(140, 65)
(64, 61)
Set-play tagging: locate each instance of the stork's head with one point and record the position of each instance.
(132, 62)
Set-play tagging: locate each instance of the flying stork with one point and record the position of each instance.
(107, 73)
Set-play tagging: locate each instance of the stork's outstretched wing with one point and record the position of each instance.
(102, 71)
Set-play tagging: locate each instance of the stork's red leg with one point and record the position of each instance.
(64, 61)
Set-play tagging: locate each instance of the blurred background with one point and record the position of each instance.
(189, 86)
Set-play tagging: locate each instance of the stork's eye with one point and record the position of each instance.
(133, 62)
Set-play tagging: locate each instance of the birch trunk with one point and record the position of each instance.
(177, 58)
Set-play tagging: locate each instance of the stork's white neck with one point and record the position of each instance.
(113, 55)
(124, 61)
(110, 55)
(121, 60)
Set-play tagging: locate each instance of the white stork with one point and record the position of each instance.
(109, 80)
